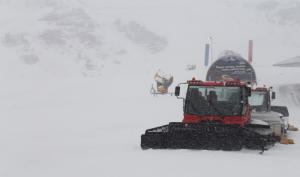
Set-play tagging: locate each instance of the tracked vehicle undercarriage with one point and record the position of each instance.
(208, 136)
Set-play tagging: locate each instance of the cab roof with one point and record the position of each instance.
(235, 83)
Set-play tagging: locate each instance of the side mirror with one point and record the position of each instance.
(177, 91)
(273, 95)
(248, 91)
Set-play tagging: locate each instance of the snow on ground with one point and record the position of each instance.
(92, 127)
(75, 102)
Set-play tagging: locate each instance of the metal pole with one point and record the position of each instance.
(250, 51)
(211, 48)
(206, 57)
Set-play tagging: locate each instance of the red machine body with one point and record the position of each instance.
(240, 120)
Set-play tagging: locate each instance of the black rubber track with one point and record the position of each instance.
(208, 136)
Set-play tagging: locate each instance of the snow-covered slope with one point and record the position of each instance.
(94, 37)
(75, 79)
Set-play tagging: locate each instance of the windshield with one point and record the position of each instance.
(257, 98)
(207, 100)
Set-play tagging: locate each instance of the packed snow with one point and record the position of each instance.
(76, 77)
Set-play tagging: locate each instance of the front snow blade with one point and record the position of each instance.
(209, 136)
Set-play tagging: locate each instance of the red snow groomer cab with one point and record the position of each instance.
(217, 116)
(222, 102)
